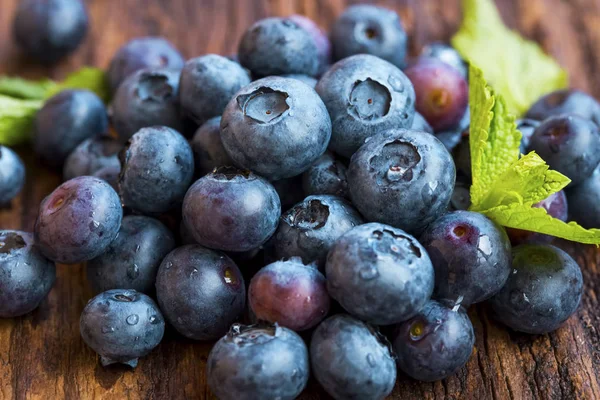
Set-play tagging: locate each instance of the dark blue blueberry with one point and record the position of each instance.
(402, 178)
(147, 98)
(208, 149)
(78, 220)
(12, 175)
(121, 325)
(231, 210)
(142, 53)
(451, 138)
(110, 174)
(258, 362)
(48, 30)
(91, 156)
(435, 343)
(309, 80)
(542, 292)
(364, 96)
(462, 155)
(157, 168)
(470, 255)
(447, 54)
(278, 46)
(368, 29)
(566, 101)
(290, 191)
(207, 84)
(351, 360)
(327, 175)
(66, 120)
(320, 38)
(289, 293)
(461, 196)
(379, 274)
(200, 291)
(132, 259)
(527, 127)
(421, 124)
(570, 144)
(26, 276)
(276, 127)
(310, 228)
(584, 201)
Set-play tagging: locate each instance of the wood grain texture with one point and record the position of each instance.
(42, 355)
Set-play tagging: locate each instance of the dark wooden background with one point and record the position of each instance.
(42, 355)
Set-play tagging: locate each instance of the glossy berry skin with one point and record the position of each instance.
(368, 29)
(91, 156)
(207, 84)
(276, 127)
(470, 255)
(446, 54)
(379, 274)
(131, 261)
(110, 174)
(555, 205)
(320, 38)
(326, 176)
(231, 210)
(208, 149)
(66, 120)
(141, 53)
(566, 101)
(278, 46)
(442, 92)
(421, 124)
(364, 96)
(584, 201)
(258, 362)
(310, 228)
(200, 291)
(401, 167)
(435, 343)
(541, 307)
(78, 220)
(121, 325)
(26, 276)
(12, 175)
(527, 127)
(289, 293)
(48, 30)
(570, 144)
(157, 168)
(351, 360)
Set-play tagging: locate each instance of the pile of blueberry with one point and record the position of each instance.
(304, 197)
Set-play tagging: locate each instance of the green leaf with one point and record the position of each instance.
(16, 119)
(92, 79)
(517, 68)
(25, 89)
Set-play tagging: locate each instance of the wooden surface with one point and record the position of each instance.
(42, 355)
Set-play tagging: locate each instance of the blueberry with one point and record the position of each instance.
(48, 30)
(556, 206)
(462, 155)
(543, 290)
(379, 274)
(12, 175)
(157, 168)
(132, 259)
(231, 210)
(368, 29)
(26, 276)
(309, 229)
(289, 191)
(446, 54)
(461, 196)
(91, 156)
(78, 220)
(470, 255)
(402, 178)
(258, 362)
(207, 84)
(141, 53)
(200, 291)
(148, 97)
(208, 149)
(278, 46)
(365, 95)
(435, 343)
(289, 293)
(527, 127)
(309, 80)
(451, 138)
(565, 101)
(110, 174)
(320, 38)
(570, 144)
(66, 120)
(584, 201)
(351, 360)
(327, 175)
(442, 92)
(121, 325)
(421, 124)
(276, 127)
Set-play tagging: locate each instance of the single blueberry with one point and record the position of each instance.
(12, 175)
(208, 149)
(584, 201)
(91, 156)
(565, 101)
